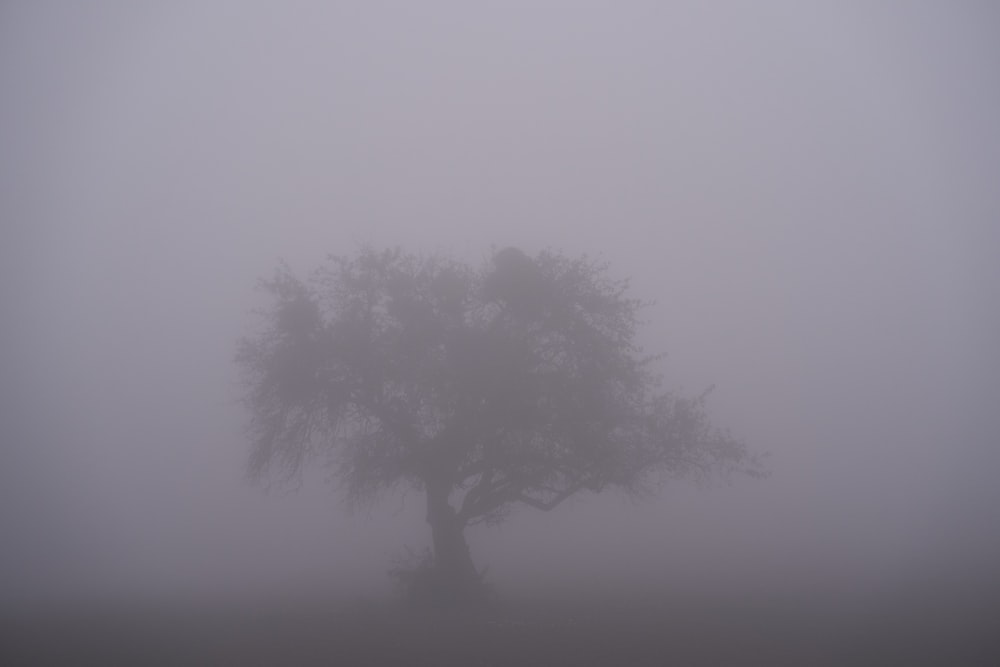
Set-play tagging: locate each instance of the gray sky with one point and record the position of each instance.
(809, 192)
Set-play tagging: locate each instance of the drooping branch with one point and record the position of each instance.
(493, 493)
(552, 502)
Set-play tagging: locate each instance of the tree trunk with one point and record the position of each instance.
(455, 578)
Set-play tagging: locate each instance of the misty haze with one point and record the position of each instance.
(499, 333)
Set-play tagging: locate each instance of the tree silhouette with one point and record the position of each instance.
(517, 382)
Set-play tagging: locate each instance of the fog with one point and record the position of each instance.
(806, 191)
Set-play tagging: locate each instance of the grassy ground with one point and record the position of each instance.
(541, 632)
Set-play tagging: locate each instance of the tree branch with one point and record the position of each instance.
(554, 501)
(481, 498)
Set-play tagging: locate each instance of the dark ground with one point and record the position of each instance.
(654, 632)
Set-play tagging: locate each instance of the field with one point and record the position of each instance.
(541, 632)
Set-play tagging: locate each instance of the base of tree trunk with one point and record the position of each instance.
(421, 582)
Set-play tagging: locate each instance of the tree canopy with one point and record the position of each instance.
(519, 381)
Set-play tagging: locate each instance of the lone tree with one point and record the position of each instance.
(519, 381)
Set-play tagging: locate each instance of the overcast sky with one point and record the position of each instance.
(809, 191)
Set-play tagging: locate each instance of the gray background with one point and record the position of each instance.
(807, 190)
